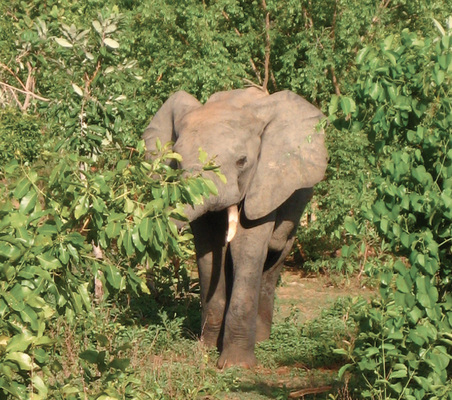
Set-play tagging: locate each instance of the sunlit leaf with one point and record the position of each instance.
(77, 90)
(113, 44)
(63, 42)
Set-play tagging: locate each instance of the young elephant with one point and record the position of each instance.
(272, 155)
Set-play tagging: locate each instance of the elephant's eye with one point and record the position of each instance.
(241, 162)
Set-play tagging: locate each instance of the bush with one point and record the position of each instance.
(404, 95)
(22, 136)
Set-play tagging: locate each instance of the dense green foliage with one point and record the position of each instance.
(403, 97)
(81, 208)
(50, 223)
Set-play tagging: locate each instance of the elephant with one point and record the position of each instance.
(271, 151)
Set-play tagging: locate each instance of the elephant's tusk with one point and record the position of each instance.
(233, 219)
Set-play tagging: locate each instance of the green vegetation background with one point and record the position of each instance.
(81, 209)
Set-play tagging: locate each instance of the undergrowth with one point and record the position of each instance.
(161, 358)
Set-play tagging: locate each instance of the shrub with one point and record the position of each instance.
(404, 95)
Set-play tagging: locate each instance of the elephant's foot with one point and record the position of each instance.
(263, 330)
(212, 328)
(237, 358)
(210, 339)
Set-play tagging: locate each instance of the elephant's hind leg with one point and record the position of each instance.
(272, 270)
(287, 219)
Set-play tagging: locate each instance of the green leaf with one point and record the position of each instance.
(22, 188)
(136, 240)
(211, 187)
(332, 108)
(82, 207)
(113, 229)
(23, 360)
(28, 202)
(202, 156)
(402, 285)
(392, 56)
(129, 205)
(89, 355)
(29, 315)
(398, 374)
(84, 295)
(15, 298)
(113, 276)
(145, 228)
(362, 55)
(160, 230)
(120, 363)
(49, 262)
(347, 105)
(40, 386)
(127, 244)
(343, 369)
(20, 342)
(350, 226)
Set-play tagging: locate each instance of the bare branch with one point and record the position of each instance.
(267, 46)
(13, 74)
(225, 14)
(29, 85)
(256, 71)
(252, 84)
(337, 89)
(333, 39)
(24, 91)
(273, 80)
(14, 96)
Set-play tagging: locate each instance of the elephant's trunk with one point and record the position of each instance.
(227, 199)
(233, 218)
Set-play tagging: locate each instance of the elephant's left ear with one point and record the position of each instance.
(293, 153)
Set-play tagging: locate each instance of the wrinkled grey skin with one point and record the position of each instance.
(268, 148)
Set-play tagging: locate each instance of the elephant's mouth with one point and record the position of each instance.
(233, 219)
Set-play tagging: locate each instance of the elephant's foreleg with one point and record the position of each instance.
(248, 251)
(209, 237)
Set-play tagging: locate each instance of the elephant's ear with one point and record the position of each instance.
(292, 156)
(163, 125)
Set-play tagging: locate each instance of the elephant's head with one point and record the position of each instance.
(267, 146)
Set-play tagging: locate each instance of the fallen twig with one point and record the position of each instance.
(304, 392)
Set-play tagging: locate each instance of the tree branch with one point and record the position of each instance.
(333, 38)
(24, 91)
(267, 47)
(13, 74)
(253, 65)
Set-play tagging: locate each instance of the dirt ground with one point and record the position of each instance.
(308, 295)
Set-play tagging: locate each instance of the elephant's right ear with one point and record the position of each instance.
(166, 119)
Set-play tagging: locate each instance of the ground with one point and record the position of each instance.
(312, 318)
(310, 294)
(300, 300)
